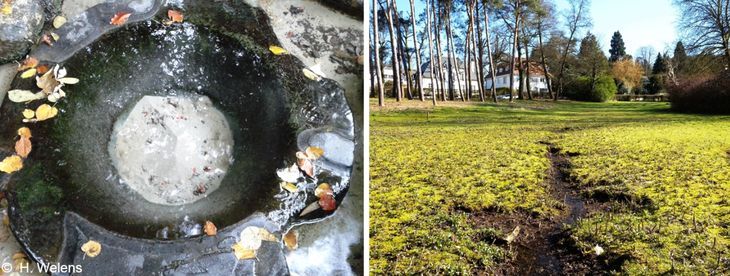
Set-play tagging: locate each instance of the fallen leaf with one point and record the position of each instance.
(252, 236)
(55, 36)
(243, 253)
(120, 18)
(23, 147)
(68, 80)
(28, 73)
(306, 166)
(47, 39)
(175, 16)
(291, 239)
(290, 174)
(91, 248)
(327, 202)
(21, 96)
(11, 164)
(277, 50)
(314, 152)
(322, 190)
(48, 82)
(45, 112)
(512, 236)
(24, 131)
(289, 187)
(309, 74)
(210, 228)
(598, 250)
(301, 155)
(7, 7)
(59, 21)
(310, 208)
(19, 255)
(42, 69)
(28, 63)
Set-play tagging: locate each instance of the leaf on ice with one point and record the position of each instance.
(59, 21)
(91, 248)
(276, 50)
(120, 18)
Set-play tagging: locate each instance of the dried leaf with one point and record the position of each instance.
(24, 131)
(45, 112)
(68, 80)
(291, 239)
(7, 8)
(210, 228)
(277, 50)
(48, 82)
(55, 36)
(11, 164)
(310, 208)
(301, 155)
(28, 73)
(42, 69)
(21, 96)
(512, 236)
(322, 190)
(314, 152)
(23, 147)
(309, 74)
(175, 16)
(306, 166)
(28, 63)
(252, 236)
(243, 253)
(289, 187)
(328, 202)
(290, 174)
(120, 18)
(59, 21)
(91, 248)
(19, 255)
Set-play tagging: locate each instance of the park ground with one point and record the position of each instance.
(542, 187)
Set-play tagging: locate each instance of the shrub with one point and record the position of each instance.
(604, 89)
(702, 94)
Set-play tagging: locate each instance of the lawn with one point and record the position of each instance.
(449, 184)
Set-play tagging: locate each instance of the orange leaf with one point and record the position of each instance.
(290, 239)
(210, 228)
(24, 132)
(175, 16)
(323, 190)
(23, 147)
(120, 18)
(306, 166)
(328, 203)
(28, 63)
(42, 69)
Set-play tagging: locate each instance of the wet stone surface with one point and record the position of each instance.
(20, 28)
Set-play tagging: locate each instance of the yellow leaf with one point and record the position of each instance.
(59, 21)
(28, 63)
(309, 74)
(289, 187)
(28, 114)
(69, 80)
(47, 82)
(11, 164)
(23, 147)
(55, 36)
(28, 73)
(7, 9)
(290, 239)
(322, 190)
(277, 50)
(91, 248)
(45, 112)
(20, 96)
(24, 131)
(252, 236)
(314, 152)
(242, 253)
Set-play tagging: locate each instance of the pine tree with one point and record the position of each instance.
(680, 57)
(593, 62)
(659, 65)
(618, 49)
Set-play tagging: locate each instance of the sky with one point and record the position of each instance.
(640, 22)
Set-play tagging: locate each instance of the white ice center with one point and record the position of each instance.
(172, 150)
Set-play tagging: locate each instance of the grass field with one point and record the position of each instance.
(450, 184)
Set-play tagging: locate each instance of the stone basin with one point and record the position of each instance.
(84, 181)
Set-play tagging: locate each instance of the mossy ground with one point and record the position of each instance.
(663, 180)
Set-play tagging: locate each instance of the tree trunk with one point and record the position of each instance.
(479, 47)
(514, 48)
(441, 75)
(467, 56)
(430, 51)
(452, 59)
(403, 47)
(545, 71)
(418, 58)
(521, 73)
(489, 55)
(527, 71)
(397, 88)
(378, 69)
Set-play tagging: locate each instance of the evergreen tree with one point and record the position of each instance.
(659, 65)
(591, 60)
(618, 49)
(680, 57)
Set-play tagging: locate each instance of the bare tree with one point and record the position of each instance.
(397, 88)
(706, 25)
(576, 19)
(644, 56)
(378, 69)
(418, 58)
(430, 51)
(437, 31)
(545, 21)
(489, 51)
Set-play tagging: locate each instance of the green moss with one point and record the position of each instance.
(37, 196)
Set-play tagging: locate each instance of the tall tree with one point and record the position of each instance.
(679, 59)
(706, 25)
(437, 32)
(645, 55)
(418, 58)
(618, 49)
(492, 74)
(397, 88)
(576, 19)
(659, 65)
(545, 21)
(378, 69)
(592, 61)
(434, 86)
(628, 73)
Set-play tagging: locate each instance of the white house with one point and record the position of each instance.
(538, 82)
(459, 80)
